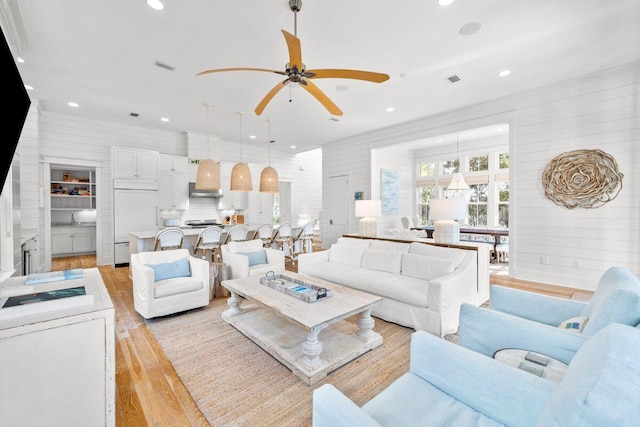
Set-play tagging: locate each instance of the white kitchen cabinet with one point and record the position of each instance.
(59, 364)
(70, 240)
(130, 163)
(173, 184)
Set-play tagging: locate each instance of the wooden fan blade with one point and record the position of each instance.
(334, 73)
(240, 69)
(260, 108)
(295, 51)
(320, 96)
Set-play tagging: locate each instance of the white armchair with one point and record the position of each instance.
(250, 258)
(181, 290)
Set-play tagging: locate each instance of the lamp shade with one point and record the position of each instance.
(208, 175)
(368, 208)
(269, 181)
(452, 208)
(241, 177)
(457, 182)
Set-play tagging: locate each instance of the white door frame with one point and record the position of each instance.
(47, 162)
(332, 237)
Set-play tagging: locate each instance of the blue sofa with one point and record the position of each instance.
(528, 320)
(449, 385)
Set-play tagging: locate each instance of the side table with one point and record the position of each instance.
(553, 371)
(217, 275)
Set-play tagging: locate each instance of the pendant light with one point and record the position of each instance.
(208, 175)
(457, 186)
(241, 174)
(269, 181)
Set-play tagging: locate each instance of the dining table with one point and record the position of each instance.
(495, 233)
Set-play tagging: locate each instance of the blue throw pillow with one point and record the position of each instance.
(255, 258)
(169, 270)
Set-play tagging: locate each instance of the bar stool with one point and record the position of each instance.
(209, 240)
(264, 233)
(237, 233)
(283, 236)
(303, 241)
(169, 238)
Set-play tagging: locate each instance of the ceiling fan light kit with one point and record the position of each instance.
(296, 72)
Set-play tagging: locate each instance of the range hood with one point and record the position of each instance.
(211, 194)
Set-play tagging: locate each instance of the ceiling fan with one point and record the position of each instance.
(297, 73)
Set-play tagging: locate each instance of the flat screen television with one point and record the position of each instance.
(17, 102)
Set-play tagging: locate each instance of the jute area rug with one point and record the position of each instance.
(235, 383)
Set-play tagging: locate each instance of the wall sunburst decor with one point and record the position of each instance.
(582, 179)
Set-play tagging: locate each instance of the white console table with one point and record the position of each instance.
(58, 366)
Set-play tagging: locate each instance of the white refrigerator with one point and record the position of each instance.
(135, 209)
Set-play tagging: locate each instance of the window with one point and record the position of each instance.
(503, 160)
(424, 195)
(503, 204)
(478, 214)
(276, 208)
(450, 166)
(427, 169)
(479, 163)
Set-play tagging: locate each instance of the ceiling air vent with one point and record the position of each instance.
(334, 119)
(453, 78)
(134, 114)
(164, 65)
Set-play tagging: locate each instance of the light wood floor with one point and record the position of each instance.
(148, 390)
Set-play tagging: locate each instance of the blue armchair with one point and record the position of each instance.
(527, 320)
(450, 385)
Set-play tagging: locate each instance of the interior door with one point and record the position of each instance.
(338, 207)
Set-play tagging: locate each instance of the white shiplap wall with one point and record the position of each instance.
(595, 111)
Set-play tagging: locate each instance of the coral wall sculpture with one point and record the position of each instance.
(582, 179)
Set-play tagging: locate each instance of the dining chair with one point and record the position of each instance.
(405, 222)
(502, 248)
(416, 221)
(237, 233)
(209, 240)
(169, 238)
(265, 233)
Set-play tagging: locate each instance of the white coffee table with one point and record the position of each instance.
(287, 328)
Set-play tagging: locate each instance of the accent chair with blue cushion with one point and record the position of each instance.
(553, 326)
(449, 385)
(167, 282)
(250, 258)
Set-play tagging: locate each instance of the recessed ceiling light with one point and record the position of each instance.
(72, 104)
(342, 88)
(293, 147)
(390, 109)
(445, 2)
(20, 60)
(164, 119)
(439, 140)
(252, 136)
(504, 73)
(155, 4)
(470, 28)
(27, 87)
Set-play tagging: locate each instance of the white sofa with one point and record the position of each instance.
(153, 298)
(250, 258)
(422, 285)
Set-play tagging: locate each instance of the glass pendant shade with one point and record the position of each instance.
(208, 175)
(269, 181)
(241, 177)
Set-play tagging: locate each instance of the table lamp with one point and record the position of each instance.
(366, 209)
(444, 212)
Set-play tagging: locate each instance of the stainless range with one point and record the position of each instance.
(201, 223)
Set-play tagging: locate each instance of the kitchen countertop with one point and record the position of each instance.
(28, 233)
(68, 224)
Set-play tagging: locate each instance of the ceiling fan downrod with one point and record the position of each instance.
(295, 6)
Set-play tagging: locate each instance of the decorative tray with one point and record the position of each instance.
(295, 287)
